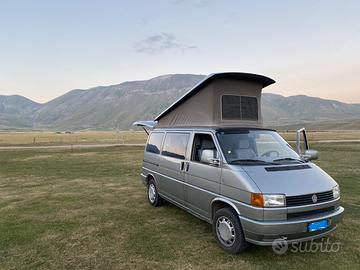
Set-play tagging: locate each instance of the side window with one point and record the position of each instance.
(239, 107)
(175, 145)
(154, 143)
(204, 149)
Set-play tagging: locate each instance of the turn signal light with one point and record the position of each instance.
(257, 200)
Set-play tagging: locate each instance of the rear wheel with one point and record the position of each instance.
(228, 231)
(153, 195)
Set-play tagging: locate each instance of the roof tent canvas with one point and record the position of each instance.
(220, 100)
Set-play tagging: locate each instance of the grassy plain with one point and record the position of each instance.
(134, 137)
(86, 209)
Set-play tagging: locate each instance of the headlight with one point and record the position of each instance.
(336, 192)
(267, 200)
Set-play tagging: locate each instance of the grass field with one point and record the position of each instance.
(86, 209)
(133, 137)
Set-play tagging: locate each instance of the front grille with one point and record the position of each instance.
(307, 199)
(311, 212)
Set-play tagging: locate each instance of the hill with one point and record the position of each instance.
(16, 111)
(117, 106)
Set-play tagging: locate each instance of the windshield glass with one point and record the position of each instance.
(256, 147)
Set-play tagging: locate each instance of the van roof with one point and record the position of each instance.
(263, 80)
(217, 129)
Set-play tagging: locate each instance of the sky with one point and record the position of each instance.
(48, 48)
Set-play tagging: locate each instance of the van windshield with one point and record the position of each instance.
(256, 147)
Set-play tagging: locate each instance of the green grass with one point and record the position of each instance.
(86, 209)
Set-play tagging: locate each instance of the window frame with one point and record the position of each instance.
(186, 147)
(240, 119)
(161, 143)
(219, 154)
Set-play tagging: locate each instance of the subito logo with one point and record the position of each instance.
(280, 246)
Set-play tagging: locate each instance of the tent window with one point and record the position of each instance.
(239, 108)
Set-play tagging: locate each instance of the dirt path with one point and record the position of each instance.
(68, 146)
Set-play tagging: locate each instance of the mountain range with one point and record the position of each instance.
(115, 107)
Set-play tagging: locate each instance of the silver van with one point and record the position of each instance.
(210, 155)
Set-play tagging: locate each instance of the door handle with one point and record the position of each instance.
(187, 166)
(182, 165)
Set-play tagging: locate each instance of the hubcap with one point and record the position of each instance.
(152, 193)
(225, 231)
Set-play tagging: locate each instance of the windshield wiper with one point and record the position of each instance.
(288, 159)
(259, 161)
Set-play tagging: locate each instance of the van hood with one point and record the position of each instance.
(290, 179)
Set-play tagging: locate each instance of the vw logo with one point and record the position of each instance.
(314, 198)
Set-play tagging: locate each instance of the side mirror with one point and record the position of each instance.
(209, 156)
(310, 154)
(215, 161)
(307, 153)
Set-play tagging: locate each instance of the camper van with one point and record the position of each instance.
(209, 154)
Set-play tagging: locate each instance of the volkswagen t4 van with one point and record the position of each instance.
(209, 154)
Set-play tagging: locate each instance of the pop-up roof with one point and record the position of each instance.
(220, 100)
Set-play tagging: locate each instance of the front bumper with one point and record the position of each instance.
(265, 232)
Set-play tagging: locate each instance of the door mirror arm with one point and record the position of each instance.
(308, 153)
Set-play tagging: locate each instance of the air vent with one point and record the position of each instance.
(287, 168)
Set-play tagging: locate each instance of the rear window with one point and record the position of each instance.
(239, 107)
(175, 145)
(154, 143)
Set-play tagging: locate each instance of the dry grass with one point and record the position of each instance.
(134, 137)
(325, 135)
(89, 137)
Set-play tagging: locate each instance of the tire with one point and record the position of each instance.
(153, 195)
(228, 232)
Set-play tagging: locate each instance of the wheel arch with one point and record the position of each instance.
(148, 177)
(219, 203)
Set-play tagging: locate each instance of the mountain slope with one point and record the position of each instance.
(117, 106)
(16, 111)
(285, 110)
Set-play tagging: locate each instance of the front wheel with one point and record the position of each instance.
(153, 195)
(228, 232)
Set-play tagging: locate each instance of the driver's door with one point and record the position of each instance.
(202, 178)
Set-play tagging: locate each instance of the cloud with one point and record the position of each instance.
(159, 43)
(196, 3)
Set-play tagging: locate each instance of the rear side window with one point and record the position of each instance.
(239, 107)
(175, 145)
(154, 144)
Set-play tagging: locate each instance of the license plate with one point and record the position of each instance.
(318, 225)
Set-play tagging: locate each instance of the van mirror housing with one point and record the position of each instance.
(310, 154)
(209, 156)
(306, 153)
(215, 161)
